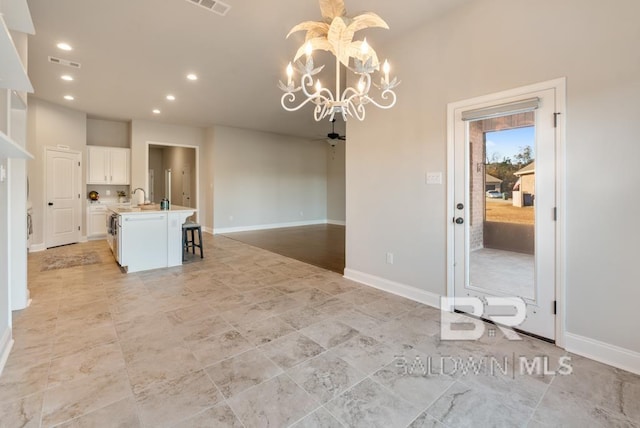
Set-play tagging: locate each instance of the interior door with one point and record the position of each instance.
(505, 205)
(186, 186)
(63, 210)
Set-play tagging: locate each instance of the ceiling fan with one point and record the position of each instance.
(333, 136)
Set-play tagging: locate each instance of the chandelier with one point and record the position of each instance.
(335, 34)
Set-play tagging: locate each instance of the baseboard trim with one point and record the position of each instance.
(6, 343)
(337, 222)
(35, 248)
(96, 237)
(207, 230)
(403, 290)
(605, 353)
(222, 230)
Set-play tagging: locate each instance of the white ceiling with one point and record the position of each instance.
(135, 52)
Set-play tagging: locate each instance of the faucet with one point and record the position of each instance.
(144, 194)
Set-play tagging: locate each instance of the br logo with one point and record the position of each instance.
(458, 326)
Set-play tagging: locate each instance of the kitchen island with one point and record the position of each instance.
(148, 238)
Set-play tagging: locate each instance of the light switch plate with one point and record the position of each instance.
(3, 174)
(434, 178)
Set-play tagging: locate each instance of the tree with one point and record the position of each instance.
(525, 156)
(504, 170)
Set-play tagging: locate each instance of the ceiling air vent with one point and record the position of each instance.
(61, 61)
(214, 6)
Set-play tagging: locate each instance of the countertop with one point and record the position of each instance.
(119, 209)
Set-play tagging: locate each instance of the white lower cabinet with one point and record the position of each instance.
(96, 222)
(150, 239)
(143, 241)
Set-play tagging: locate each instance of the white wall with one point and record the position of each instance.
(263, 179)
(336, 182)
(51, 125)
(206, 178)
(110, 133)
(485, 47)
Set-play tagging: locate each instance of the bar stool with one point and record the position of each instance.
(191, 243)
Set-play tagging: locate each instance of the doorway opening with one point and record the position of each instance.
(172, 173)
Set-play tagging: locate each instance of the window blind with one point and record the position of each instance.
(522, 106)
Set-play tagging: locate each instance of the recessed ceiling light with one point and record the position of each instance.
(69, 97)
(156, 111)
(66, 77)
(171, 97)
(192, 76)
(64, 46)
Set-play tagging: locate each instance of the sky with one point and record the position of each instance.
(507, 143)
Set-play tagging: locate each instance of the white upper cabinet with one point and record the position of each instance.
(119, 163)
(108, 165)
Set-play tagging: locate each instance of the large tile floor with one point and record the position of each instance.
(249, 338)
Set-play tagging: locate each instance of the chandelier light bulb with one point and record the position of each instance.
(289, 72)
(318, 86)
(365, 47)
(386, 68)
(308, 49)
(361, 86)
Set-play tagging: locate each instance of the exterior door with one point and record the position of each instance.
(504, 207)
(63, 211)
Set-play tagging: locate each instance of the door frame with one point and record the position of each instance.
(197, 167)
(45, 223)
(559, 85)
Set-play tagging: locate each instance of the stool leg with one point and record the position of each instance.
(184, 243)
(200, 242)
(193, 242)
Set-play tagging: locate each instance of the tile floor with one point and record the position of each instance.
(249, 338)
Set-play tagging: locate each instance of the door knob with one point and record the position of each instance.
(459, 220)
(50, 204)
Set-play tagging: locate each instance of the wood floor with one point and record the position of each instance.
(321, 245)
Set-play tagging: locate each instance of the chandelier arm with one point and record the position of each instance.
(355, 110)
(320, 112)
(367, 83)
(320, 98)
(290, 98)
(386, 94)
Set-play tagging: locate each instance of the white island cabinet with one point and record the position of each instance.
(150, 239)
